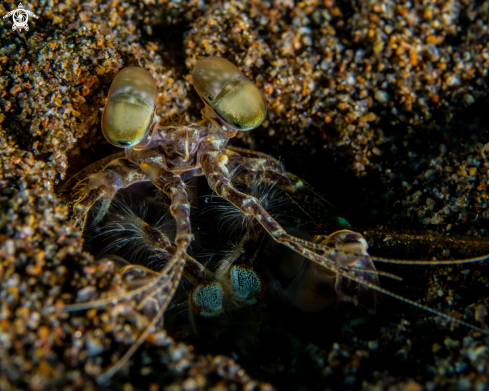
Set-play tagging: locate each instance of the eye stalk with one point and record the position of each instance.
(129, 112)
(229, 93)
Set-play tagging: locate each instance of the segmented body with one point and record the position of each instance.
(169, 156)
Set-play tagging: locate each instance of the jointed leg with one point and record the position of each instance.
(161, 287)
(255, 155)
(214, 163)
(127, 228)
(261, 168)
(174, 187)
(118, 174)
(171, 279)
(252, 167)
(85, 173)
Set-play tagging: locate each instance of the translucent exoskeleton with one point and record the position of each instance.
(170, 155)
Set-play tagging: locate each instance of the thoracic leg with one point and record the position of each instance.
(122, 173)
(174, 187)
(252, 167)
(167, 284)
(162, 286)
(104, 185)
(214, 165)
(329, 255)
(261, 168)
(141, 234)
(257, 168)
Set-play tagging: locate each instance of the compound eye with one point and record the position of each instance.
(229, 93)
(129, 111)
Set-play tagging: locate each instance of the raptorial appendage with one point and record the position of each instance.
(129, 232)
(104, 185)
(351, 251)
(214, 167)
(350, 264)
(232, 281)
(307, 285)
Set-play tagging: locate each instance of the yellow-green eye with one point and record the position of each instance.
(229, 93)
(128, 114)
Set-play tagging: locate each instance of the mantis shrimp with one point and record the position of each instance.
(169, 156)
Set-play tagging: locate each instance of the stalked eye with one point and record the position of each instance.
(128, 114)
(229, 93)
